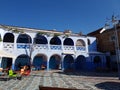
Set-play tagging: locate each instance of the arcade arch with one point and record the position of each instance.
(40, 39)
(21, 61)
(80, 63)
(24, 38)
(68, 41)
(68, 62)
(40, 62)
(55, 62)
(8, 37)
(80, 42)
(55, 41)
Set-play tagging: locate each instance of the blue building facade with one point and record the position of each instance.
(48, 50)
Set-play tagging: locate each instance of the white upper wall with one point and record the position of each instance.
(33, 32)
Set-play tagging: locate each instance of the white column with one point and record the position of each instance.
(62, 62)
(13, 63)
(0, 61)
(48, 63)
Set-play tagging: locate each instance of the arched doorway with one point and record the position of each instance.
(21, 61)
(80, 63)
(97, 62)
(8, 37)
(40, 62)
(68, 63)
(6, 62)
(55, 62)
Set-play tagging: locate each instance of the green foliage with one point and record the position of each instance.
(16, 31)
(41, 33)
(0, 39)
(22, 31)
(65, 36)
(56, 34)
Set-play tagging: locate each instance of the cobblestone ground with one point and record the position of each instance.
(91, 81)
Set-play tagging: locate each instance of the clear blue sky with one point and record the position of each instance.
(77, 15)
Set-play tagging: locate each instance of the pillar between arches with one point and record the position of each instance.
(62, 67)
(0, 61)
(48, 63)
(13, 63)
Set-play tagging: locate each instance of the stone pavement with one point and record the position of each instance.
(83, 80)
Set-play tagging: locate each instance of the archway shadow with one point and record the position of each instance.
(90, 73)
(108, 85)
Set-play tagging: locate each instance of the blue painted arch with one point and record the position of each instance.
(97, 62)
(55, 62)
(80, 63)
(40, 62)
(21, 61)
(68, 63)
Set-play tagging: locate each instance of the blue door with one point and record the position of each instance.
(80, 63)
(68, 62)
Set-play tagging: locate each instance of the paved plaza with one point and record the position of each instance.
(83, 80)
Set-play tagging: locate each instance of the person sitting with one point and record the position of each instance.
(22, 71)
(25, 71)
(11, 73)
(1, 72)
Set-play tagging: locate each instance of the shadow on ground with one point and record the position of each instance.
(108, 85)
(93, 74)
(81, 73)
(3, 79)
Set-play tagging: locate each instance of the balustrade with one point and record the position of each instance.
(55, 47)
(80, 48)
(23, 46)
(40, 47)
(8, 45)
(68, 48)
(43, 47)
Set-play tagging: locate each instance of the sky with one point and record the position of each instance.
(76, 15)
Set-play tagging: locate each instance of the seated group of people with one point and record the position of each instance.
(7, 71)
(24, 71)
